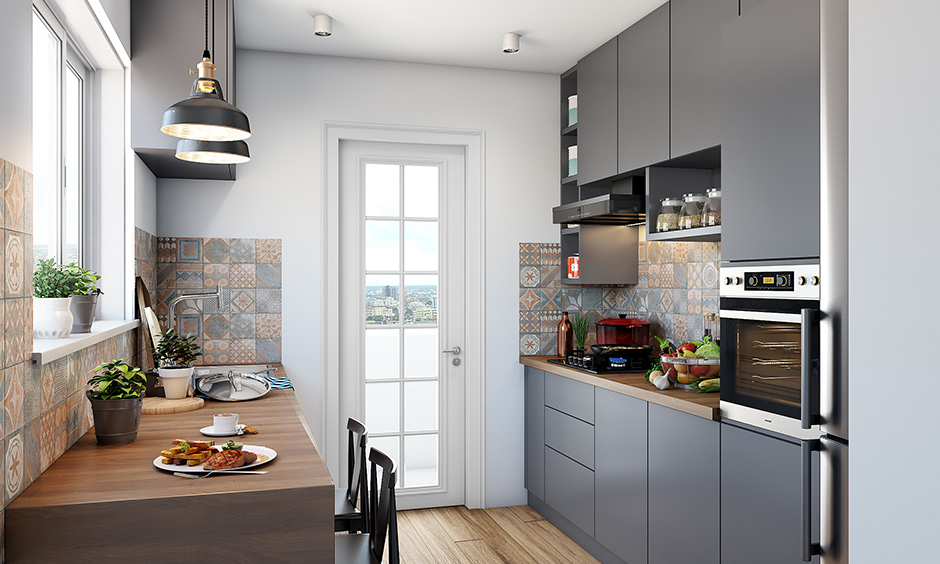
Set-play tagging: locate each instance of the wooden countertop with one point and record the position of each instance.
(96, 502)
(635, 385)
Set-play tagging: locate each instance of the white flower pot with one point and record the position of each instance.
(52, 318)
(176, 381)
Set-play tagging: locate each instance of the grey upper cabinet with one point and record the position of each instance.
(760, 498)
(684, 468)
(620, 503)
(597, 111)
(535, 432)
(695, 72)
(167, 40)
(642, 93)
(770, 132)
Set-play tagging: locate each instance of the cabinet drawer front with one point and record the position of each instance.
(569, 489)
(570, 436)
(570, 396)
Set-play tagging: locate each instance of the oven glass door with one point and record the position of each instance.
(764, 353)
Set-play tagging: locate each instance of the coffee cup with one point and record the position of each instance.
(225, 422)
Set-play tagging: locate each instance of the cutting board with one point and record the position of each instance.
(160, 406)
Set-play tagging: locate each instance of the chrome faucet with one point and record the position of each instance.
(173, 303)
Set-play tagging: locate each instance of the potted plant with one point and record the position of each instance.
(52, 287)
(580, 327)
(84, 297)
(174, 355)
(116, 396)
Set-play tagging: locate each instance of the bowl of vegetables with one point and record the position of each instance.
(695, 365)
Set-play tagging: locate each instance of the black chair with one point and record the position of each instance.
(383, 523)
(350, 511)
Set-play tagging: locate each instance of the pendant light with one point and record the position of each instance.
(206, 117)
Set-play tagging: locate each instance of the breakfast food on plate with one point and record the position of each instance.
(228, 459)
(188, 453)
(250, 430)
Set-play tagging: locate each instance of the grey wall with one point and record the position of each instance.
(16, 104)
(278, 195)
(894, 117)
(145, 197)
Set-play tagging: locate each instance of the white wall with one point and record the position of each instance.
(894, 117)
(16, 102)
(145, 197)
(278, 195)
(119, 14)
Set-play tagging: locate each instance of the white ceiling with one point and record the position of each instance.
(468, 33)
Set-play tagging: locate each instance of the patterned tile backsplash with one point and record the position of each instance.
(246, 329)
(678, 284)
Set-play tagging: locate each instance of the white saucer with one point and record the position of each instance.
(211, 432)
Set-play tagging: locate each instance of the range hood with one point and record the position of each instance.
(611, 209)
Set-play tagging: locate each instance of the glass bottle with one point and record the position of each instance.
(711, 211)
(668, 218)
(565, 336)
(691, 214)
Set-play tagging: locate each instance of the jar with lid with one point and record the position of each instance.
(668, 218)
(711, 211)
(690, 215)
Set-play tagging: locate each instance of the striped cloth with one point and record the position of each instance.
(278, 382)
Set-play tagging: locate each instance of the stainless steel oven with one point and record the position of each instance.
(770, 347)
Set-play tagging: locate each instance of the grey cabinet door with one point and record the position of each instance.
(770, 132)
(760, 498)
(535, 432)
(597, 114)
(684, 510)
(569, 489)
(643, 92)
(570, 396)
(620, 504)
(695, 71)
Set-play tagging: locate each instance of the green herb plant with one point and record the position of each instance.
(176, 351)
(52, 280)
(580, 325)
(85, 281)
(117, 380)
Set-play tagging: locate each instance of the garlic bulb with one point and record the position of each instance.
(661, 382)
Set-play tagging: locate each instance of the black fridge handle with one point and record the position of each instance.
(807, 547)
(809, 389)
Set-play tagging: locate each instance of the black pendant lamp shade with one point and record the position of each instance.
(205, 115)
(212, 152)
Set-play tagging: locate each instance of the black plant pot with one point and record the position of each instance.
(116, 421)
(83, 312)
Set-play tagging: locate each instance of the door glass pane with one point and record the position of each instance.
(422, 353)
(421, 401)
(421, 246)
(421, 188)
(420, 298)
(420, 462)
(382, 191)
(46, 54)
(383, 347)
(383, 407)
(390, 446)
(73, 168)
(381, 299)
(382, 245)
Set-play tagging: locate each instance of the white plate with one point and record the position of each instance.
(211, 432)
(265, 455)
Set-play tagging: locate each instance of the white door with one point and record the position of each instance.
(402, 300)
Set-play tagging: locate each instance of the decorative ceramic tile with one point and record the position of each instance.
(529, 276)
(166, 275)
(529, 321)
(166, 249)
(680, 329)
(189, 276)
(668, 275)
(622, 302)
(164, 297)
(242, 351)
(189, 324)
(212, 306)
(268, 301)
(666, 301)
(653, 300)
(694, 274)
(13, 466)
(14, 265)
(571, 298)
(665, 252)
(680, 252)
(61, 437)
(268, 275)
(696, 327)
(530, 254)
(47, 439)
(711, 252)
(268, 350)
(46, 402)
(216, 250)
(610, 297)
(530, 344)
(549, 343)
(710, 275)
(550, 298)
(641, 251)
(216, 352)
(653, 252)
(551, 276)
(693, 302)
(267, 250)
(14, 322)
(548, 321)
(32, 433)
(551, 254)
(694, 252)
(148, 273)
(592, 298)
(710, 300)
(28, 207)
(216, 327)
(32, 391)
(680, 273)
(241, 250)
(243, 301)
(242, 326)
(188, 250)
(73, 415)
(268, 325)
(242, 276)
(680, 301)
(528, 299)
(14, 199)
(215, 275)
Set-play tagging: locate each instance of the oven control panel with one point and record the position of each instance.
(787, 282)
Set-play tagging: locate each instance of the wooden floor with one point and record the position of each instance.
(503, 535)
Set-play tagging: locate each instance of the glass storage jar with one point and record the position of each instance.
(711, 211)
(668, 218)
(690, 215)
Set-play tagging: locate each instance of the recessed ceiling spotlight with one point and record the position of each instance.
(323, 25)
(511, 43)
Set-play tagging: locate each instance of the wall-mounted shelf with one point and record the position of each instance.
(570, 179)
(570, 130)
(697, 234)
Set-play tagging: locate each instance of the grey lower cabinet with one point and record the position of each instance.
(760, 498)
(535, 431)
(684, 473)
(620, 475)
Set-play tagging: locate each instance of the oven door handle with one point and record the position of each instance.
(761, 316)
(809, 389)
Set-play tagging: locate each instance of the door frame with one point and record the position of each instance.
(334, 439)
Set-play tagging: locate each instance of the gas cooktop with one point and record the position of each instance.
(595, 364)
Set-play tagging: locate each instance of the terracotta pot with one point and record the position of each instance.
(116, 421)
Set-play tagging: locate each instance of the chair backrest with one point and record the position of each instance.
(357, 493)
(384, 521)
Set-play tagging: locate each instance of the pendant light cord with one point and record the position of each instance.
(205, 53)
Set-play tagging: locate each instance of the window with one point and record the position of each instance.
(60, 107)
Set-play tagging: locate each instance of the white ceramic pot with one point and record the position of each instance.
(52, 318)
(176, 381)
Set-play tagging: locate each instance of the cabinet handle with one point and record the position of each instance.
(807, 547)
(809, 389)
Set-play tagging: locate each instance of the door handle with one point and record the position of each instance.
(807, 547)
(455, 350)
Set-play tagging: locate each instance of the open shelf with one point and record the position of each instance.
(570, 179)
(570, 130)
(696, 234)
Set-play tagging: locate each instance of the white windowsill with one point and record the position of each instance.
(47, 350)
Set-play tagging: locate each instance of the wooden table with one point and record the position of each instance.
(110, 504)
